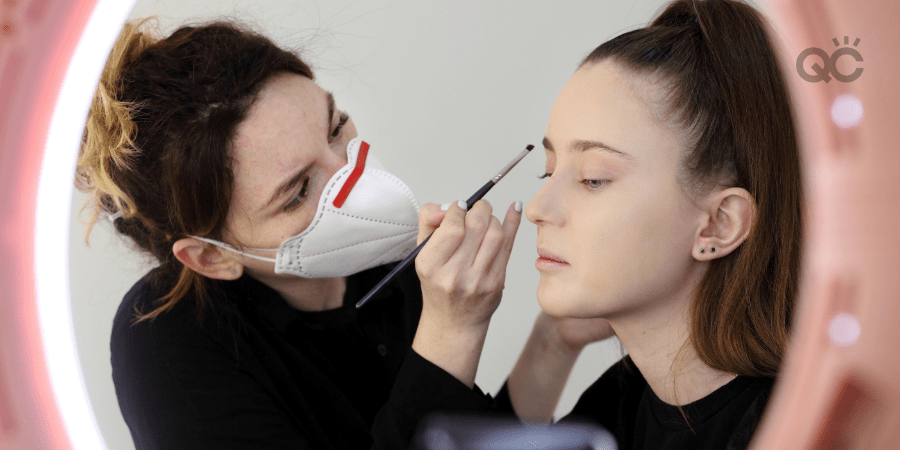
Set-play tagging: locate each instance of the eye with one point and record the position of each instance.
(304, 191)
(546, 175)
(594, 184)
(337, 129)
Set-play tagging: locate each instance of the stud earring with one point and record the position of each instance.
(702, 250)
(713, 250)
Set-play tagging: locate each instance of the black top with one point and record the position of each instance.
(257, 373)
(622, 402)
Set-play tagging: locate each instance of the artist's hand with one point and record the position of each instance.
(463, 267)
(462, 270)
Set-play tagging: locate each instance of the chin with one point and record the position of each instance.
(560, 298)
(558, 302)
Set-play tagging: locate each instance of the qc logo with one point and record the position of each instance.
(830, 70)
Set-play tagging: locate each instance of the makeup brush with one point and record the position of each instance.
(471, 201)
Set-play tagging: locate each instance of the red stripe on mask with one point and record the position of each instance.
(354, 176)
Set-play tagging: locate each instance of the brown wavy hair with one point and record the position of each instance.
(716, 65)
(157, 145)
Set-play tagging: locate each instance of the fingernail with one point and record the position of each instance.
(518, 206)
(462, 204)
(446, 206)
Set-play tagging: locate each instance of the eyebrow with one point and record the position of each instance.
(580, 145)
(298, 177)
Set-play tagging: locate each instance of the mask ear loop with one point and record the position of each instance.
(228, 247)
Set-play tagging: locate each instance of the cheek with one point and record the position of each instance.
(656, 250)
(627, 251)
(600, 237)
(608, 237)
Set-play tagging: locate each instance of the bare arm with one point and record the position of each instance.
(539, 376)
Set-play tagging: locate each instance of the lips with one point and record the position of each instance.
(544, 254)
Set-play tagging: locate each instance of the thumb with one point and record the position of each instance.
(430, 218)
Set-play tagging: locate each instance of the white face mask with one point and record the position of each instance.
(366, 217)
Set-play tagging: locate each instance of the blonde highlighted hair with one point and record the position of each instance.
(108, 143)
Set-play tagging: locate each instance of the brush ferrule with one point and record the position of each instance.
(509, 166)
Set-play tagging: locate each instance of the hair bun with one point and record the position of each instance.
(108, 141)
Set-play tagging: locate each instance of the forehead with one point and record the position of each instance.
(288, 106)
(601, 102)
(283, 131)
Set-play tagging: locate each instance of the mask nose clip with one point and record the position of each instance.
(354, 175)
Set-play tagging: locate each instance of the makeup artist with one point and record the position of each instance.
(217, 154)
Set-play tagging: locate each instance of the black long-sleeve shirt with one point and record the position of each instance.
(259, 374)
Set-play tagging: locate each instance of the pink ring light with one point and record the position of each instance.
(51, 55)
(840, 388)
(840, 385)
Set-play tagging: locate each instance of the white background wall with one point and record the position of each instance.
(446, 93)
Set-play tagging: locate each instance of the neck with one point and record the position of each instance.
(308, 294)
(658, 342)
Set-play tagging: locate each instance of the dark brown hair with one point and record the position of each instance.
(158, 140)
(722, 85)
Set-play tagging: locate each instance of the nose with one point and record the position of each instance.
(337, 160)
(543, 207)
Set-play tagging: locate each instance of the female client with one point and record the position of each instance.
(670, 217)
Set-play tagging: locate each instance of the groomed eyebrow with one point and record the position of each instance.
(298, 177)
(579, 145)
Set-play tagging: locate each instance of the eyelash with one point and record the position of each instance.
(337, 130)
(299, 198)
(588, 183)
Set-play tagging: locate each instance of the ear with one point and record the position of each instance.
(729, 218)
(207, 260)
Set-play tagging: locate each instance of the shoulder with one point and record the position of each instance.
(142, 347)
(183, 383)
(142, 298)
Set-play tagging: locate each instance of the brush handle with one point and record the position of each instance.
(412, 256)
(479, 194)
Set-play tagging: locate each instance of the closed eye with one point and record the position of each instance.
(304, 191)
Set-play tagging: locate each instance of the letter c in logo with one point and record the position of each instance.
(822, 73)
